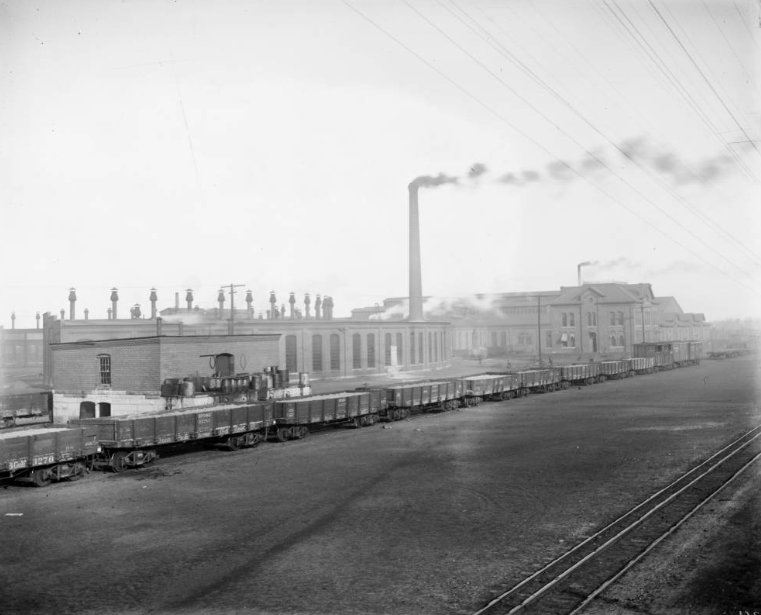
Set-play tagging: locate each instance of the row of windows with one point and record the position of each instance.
(435, 350)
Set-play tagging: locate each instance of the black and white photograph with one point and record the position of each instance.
(380, 307)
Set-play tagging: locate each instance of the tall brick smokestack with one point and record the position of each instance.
(416, 283)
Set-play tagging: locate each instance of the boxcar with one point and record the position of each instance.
(132, 441)
(661, 352)
(40, 456)
(294, 416)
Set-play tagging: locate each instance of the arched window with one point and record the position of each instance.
(412, 349)
(572, 340)
(420, 347)
(565, 319)
(356, 350)
(612, 339)
(104, 365)
(399, 349)
(317, 353)
(436, 347)
(371, 350)
(621, 340)
(290, 353)
(387, 348)
(335, 352)
(104, 409)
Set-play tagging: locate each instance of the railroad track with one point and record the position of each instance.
(569, 583)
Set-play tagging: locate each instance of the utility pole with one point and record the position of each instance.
(539, 326)
(232, 305)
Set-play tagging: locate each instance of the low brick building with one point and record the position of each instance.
(123, 376)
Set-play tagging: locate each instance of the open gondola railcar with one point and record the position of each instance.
(491, 386)
(641, 365)
(539, 380)
(294, 416)
(133, 441)
(42, 455)
(613, 370)
(582, 373)
(402, 399)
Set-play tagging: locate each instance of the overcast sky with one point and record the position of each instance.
(191, 144)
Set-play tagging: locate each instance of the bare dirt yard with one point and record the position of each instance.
(434, 515)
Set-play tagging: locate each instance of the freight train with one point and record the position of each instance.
(246, 418)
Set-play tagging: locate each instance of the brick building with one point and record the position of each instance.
(122, 376)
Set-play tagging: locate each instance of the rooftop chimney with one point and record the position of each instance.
(416, 284)
(72, 302)
(578, 270)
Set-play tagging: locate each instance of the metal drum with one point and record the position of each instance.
(304, 379)
(188, 388)
(285, 377)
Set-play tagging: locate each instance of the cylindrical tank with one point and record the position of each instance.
(256, 382)
(227, 385)
(303, 379)
(268, 380)
(188, 388)
(285, 377)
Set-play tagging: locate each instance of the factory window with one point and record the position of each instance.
(525, 339)
(494, 338)
(335, 352)
(613, 320)
(356, 350)
(436, 346)
(430, 347)
(399, 349)
(621, 340)
(104, 409)
(565, 319)
(371, 350)
(290, 353)
(87, 410)
(620, 318)
(412, 348)
(504, 338)
(420, 348)
(317, 353)
(571, 319)
(572, 340)
(104, 362)
(387, 348)
(612, 339)
(548, 342)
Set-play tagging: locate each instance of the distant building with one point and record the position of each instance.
(21, 348)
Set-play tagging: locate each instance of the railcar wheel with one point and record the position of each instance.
(77, 471)
(41, 478)
(303, 432)
(233, 443)
(283, 433)
(119, 461)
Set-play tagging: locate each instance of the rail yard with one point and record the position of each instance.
(439, 513)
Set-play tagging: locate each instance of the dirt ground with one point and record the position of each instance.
(433, 515)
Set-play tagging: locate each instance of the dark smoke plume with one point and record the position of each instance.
(477, 170)
(430, 181)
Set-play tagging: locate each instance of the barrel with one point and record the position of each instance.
(169, 389)
(227, 385)
(285, 377)
(303, 379)
(276, 380)
(268, 381)
(188, 388)
(256, 382)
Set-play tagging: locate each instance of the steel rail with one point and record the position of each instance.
(661, 538)
(495, 601)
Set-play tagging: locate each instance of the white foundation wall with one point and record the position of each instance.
(66, 406)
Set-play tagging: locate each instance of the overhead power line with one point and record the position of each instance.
(542, 147)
